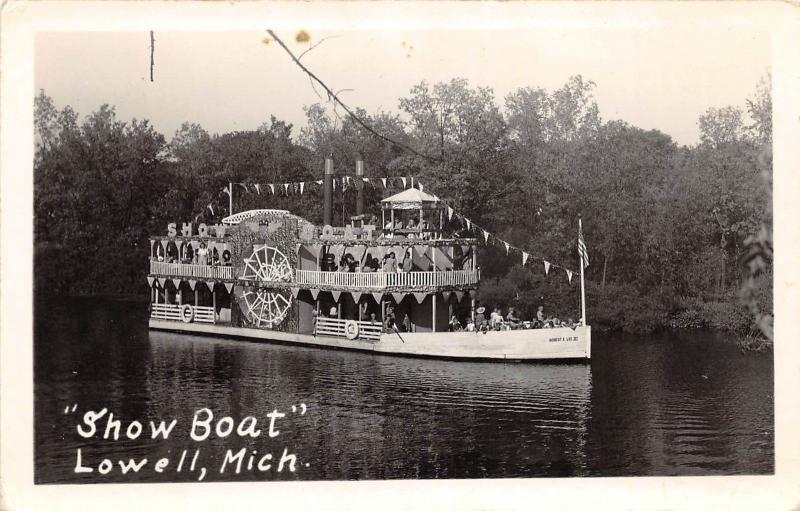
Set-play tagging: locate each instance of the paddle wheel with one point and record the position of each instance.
(265, 307)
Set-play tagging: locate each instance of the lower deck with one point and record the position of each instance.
(529, 344)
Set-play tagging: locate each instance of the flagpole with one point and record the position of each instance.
(230, 198)
(583, 289)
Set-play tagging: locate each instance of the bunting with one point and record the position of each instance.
(449, 213)
(404, 181)
(295, 291)
(314, 293)
(356, 296)
(258, 189)
(569, 276)
(398, 297)
(192, 284)
(227, 191)
(211, 209)
(383, 180)
(286, 188)
(378, 296)
(272, 189)
(524, 258)
(459, 295)
(506, 244)
(546, 267)
(420, 297)
(336, 295)
(229, 286)
(486, 236)
(302, 185)
(150, 281)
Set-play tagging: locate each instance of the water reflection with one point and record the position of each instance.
(657, 406)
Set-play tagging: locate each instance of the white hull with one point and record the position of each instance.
(539, 344)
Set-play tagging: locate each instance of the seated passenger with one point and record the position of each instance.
(512, 318)
(496, 319)
(470, 325)
(455, 324)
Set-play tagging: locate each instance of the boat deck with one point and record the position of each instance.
(541, 344)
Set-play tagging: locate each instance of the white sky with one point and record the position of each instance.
(659, 77)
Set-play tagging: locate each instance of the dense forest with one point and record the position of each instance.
(678, 236)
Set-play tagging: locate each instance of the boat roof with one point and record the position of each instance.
(411, 198)
(244, 215)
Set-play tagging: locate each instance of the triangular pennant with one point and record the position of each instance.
(486, 236)
(258, 189)
(420, 297)
(226, 191)
(377, 296)
(383, 180)
(446, 295)
(412, 182)
(228, 286)
(302, 185)
(404, 181)
(449, 213)
(272, 189)
(469, 224)
(546, 267)
(150, 281)
(473, 293)
(356, 296)
(334, 184)
(398, 297)
(506, 244)
(314, 293)
(569, 276)
(192, 284)
(161, 281)
(286, 188)
(336, 295)
(244, 186)
(295, 290)
(319, 182)
(420, 187)
(211, 209)
(151, 246)
(210, 285)
(365, 179)
(164, 244)
(524, 258)
(459, 295)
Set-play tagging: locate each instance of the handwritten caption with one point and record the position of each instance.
(101, 424)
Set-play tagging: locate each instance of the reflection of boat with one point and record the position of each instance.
(270, 275)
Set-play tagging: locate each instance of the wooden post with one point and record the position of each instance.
(339, 309)
(583, 289)
(195, 294)
(392, 220)
(230, 197)
(433, 302)
(383, 218)
(472, 309)
(433, 259)
(214, 298)
(358, 304)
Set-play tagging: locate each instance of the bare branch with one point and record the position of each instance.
(316, 44)
(334, 98)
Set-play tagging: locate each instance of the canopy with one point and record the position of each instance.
(411, 199)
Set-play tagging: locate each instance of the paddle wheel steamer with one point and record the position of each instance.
(269, 275)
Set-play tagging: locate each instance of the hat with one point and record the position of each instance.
(480, 310)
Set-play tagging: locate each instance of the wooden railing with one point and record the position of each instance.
(200, 271)
(173, 312)
(380, 280)
(336, 328)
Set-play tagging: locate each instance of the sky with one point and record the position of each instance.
(661, 76)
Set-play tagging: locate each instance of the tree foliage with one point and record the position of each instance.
(673, 231)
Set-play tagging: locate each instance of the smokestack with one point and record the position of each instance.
(327, 204)
(359, 186)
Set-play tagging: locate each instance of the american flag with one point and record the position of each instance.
(582, 247)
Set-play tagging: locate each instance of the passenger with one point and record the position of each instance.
(334, 312)
(470, 325)
(388, 320)
(455, 324)
(226, 258)
(391, 263)
(480, 320)
(412, 224)
(496, 319)
(202, 258)
(540, 314)
(407, 323)
(513, 320)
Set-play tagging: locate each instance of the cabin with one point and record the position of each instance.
(269, 269)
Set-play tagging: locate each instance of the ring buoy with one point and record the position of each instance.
(351, 329)
(187, 313)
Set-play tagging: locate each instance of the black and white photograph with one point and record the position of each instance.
(458, 242)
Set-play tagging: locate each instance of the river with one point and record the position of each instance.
(667, 404)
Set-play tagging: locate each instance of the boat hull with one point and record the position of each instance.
(534, 344)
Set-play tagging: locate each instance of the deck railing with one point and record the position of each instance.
(174, 312)
(336, 328)
(200, 271)
(380, 280)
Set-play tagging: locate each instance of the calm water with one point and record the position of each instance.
(667, 405)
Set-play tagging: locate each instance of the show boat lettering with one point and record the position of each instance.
(400, 279)
(197, 458)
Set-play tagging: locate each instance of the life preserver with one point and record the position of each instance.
(351, 329)
(187, 313)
